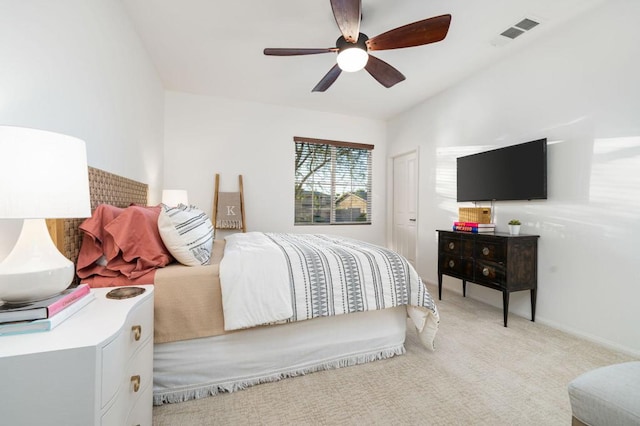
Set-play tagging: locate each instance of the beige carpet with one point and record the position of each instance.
(481, 373)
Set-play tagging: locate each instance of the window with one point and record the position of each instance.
(333, 182)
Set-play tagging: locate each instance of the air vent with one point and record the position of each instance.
(526, 24)
(516, 30)
(512, 33)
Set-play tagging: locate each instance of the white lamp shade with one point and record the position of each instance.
(42, 175)
(173, 197)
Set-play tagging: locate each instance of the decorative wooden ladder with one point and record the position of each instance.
(227, 206)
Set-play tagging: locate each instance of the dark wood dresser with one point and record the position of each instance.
(497, 260)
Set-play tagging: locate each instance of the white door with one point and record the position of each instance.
(405, 202)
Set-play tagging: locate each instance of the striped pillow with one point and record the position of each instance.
(187, 233)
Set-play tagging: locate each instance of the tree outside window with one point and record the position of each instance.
(332, 182)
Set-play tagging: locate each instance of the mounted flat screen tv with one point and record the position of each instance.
(517, 172)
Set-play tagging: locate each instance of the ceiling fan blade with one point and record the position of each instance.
(347, 14)
(328, 79)
(295, 51)
(418, 33)
(383, 72)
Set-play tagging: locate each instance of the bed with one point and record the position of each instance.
(201, 349)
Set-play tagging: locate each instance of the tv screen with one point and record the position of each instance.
(517, 172)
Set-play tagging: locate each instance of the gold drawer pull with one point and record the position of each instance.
(451, 264)
(136, 383)
(137, 332)
(485, 251)
(451, 246)
(485, 271)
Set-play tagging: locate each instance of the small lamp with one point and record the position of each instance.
(173, 197)
(42, 175)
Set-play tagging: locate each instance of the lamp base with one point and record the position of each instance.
(35, 269)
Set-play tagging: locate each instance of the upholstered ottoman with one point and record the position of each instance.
(607, 396)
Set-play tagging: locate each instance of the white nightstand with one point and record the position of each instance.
(96, 368)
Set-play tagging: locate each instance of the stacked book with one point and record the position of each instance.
(475, 227)
(43, 315)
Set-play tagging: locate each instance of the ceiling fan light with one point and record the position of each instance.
(352, 59)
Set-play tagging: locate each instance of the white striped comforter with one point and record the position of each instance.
(268, 278)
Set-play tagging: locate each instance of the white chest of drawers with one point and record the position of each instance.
(95, 368)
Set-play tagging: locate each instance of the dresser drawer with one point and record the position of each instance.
(490, 272)
(455, 246)
(141, 413)
(136, 379)
(491, 249)
(450, 245)
(138, 330)
(457, 266)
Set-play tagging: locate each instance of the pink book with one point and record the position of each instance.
(29, 311)
(67, 299)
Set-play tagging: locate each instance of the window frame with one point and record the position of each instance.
(333, 145)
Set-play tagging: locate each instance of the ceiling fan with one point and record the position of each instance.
(353, 47)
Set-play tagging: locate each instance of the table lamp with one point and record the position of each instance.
(173, 197)
(42, 175)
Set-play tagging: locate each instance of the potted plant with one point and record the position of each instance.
(514, 227)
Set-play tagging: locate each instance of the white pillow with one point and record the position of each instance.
(187, 233)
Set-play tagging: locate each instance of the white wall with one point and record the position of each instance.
(208, 135)
(77, 67)
(579, 87)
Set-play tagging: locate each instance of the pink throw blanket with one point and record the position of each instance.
(121, 246)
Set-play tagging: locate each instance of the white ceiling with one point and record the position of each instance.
(214, 47)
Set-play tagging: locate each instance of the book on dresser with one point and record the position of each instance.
(46, 324)
(47, 308)
(474, 227)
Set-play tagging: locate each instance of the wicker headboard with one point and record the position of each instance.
(104, 188)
